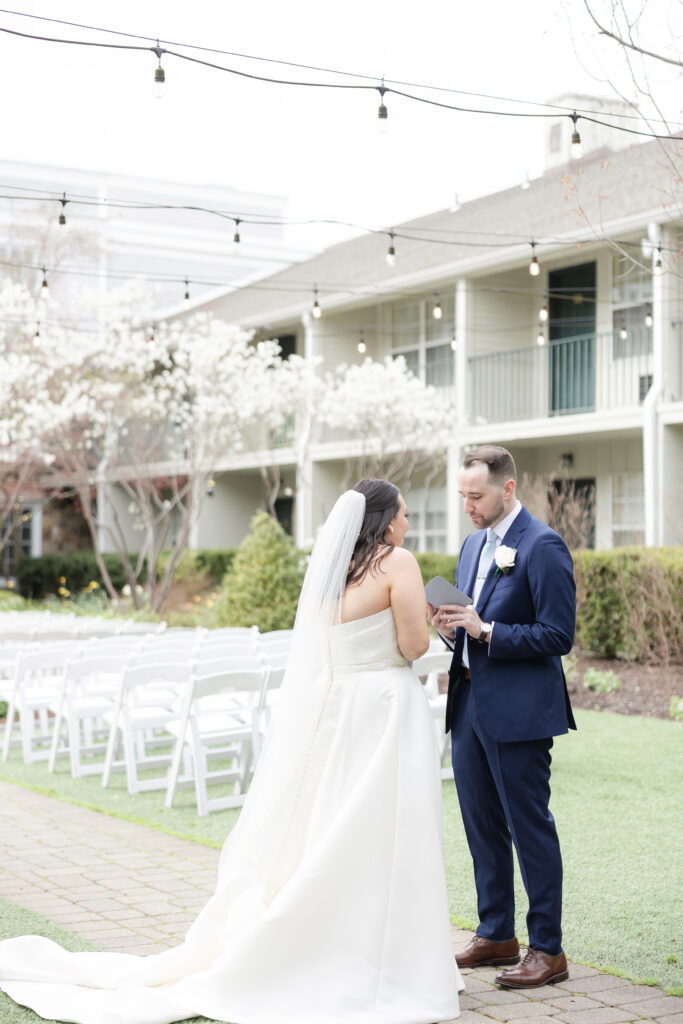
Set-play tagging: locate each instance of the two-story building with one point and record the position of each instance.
(578, 365)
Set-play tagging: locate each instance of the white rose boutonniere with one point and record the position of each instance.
(505, 559)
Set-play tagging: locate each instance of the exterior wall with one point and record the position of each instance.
(225, 517)
(672, 451)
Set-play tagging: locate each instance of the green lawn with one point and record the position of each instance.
(616, 800)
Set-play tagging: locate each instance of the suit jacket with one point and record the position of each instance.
(518, 684)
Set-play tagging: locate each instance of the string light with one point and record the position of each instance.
(543, 314)
(540, 337)
(62, 215)
(362, 347)
(437, 312)
(659, 269)
(454, 344)
(186, 296)
(577, 148)
(36, 336)
(44, 288)
(236, 237)
(648, 318)
(623, 333)
(391, 251)
(159, 74)
(317, 311)
(210, 487)
(382, 113)
(534, 268)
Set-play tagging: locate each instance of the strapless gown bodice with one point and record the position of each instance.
(367, 644)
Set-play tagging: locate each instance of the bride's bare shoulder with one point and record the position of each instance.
(401, 560)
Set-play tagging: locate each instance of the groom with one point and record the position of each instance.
(507, 698)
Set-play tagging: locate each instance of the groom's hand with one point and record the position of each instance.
(466, 617)
(442, 619)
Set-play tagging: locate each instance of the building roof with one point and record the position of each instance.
(571, 203)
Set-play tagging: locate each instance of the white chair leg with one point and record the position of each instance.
(9, 727)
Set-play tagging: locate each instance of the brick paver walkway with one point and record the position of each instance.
(127, 887)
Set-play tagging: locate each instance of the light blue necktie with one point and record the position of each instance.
(485, 560)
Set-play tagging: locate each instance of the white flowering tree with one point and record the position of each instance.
(395, 425)
(291, 402)
(134, 421)
(22, 415)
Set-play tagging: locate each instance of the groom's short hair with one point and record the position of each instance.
(499, 461)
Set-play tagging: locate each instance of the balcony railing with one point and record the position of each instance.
(572, 375)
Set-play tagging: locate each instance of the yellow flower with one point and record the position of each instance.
(10, 584)
(197, 599)
(62, 579)
(63, 592)
(209, 603)
(94, 585)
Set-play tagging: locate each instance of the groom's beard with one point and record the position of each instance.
(484, 522)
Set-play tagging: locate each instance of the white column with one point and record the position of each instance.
(303, 503)
(653, 468)
(461, 334)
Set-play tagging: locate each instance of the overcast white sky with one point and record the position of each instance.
(90, 108)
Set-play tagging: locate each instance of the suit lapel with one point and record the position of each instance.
(477, 547)
(511, 540)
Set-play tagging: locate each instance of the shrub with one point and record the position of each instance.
(434, 563)
(601, 682)
(10, 601)
(676, 708)
(630, 603)
(38, 577)
(263, 583)
(210, 562)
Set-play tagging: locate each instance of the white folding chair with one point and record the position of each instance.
(431, 665)
(137, 724)
(233, 734)
(89, 688)
(36, 686)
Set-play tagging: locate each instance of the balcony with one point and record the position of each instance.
(587, 373)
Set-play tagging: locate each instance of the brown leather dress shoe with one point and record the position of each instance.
(537, 968)
(482, 952)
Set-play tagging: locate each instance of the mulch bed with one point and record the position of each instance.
(645, 690)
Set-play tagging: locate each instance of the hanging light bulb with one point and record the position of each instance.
(159, 74)
(382, 113)
(540, 337)
(236, 237)
(534, 268)
(648, 318)
(577, 148)
(659, 269)
(362, 347)
(543, 314)
(317, 311)
(454, 344)
(36, 336)
(44, 289)
(391, 251)
(62, 216)
(186, 296)
(437, 312)
(623, 333)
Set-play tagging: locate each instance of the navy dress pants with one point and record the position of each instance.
(504, 790)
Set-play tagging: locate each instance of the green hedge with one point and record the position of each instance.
(434, 563)
(38, 577)
(629, 603)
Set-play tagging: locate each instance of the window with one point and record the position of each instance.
(631, 309)
(556, 138)
(424, 341)
(628, 509)
(19, 542)
(428, 520)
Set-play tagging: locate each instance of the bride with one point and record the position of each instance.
(330, 904)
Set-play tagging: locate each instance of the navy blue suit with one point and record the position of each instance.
(502, 722)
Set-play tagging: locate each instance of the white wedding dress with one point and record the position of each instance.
(352, 926)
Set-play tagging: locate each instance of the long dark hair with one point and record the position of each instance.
(381, 505)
